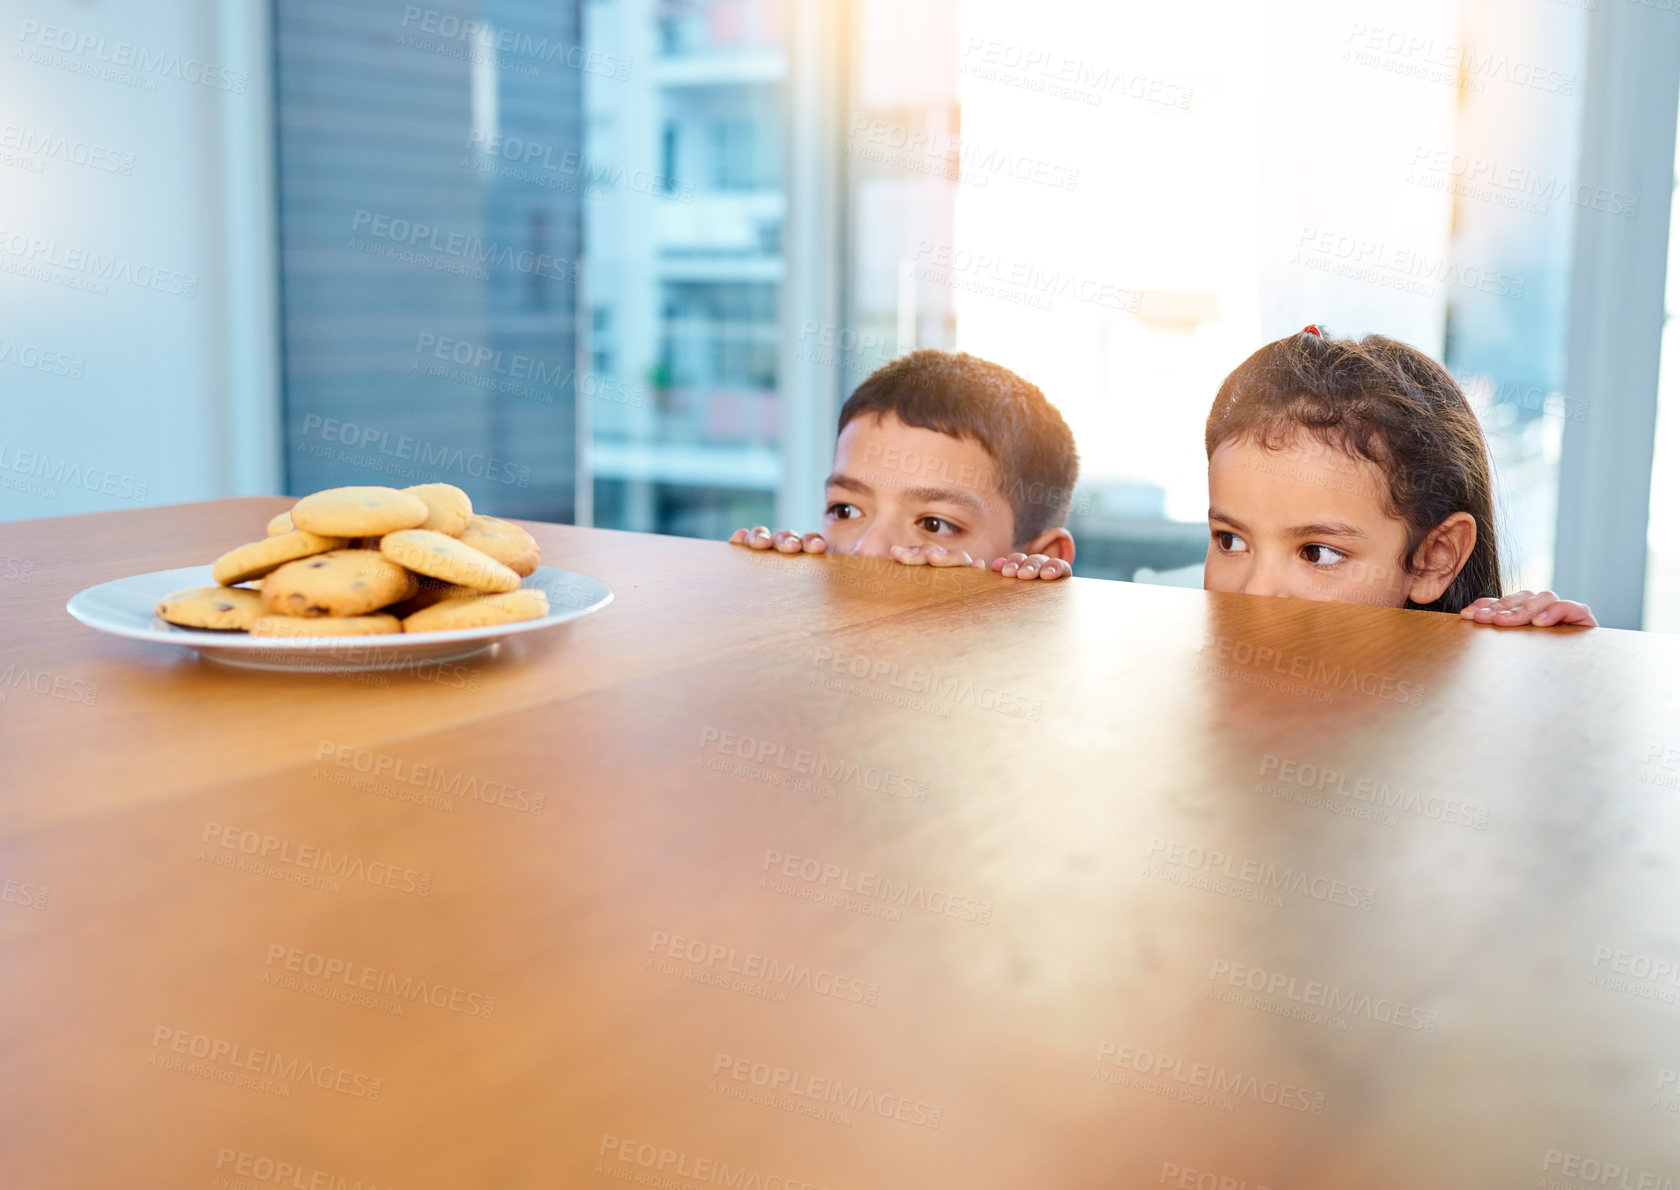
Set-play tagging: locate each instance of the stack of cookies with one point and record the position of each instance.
(370, 560)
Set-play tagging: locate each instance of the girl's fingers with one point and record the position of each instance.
(814, 543)
(1524, 605)
(787, 542)
(908, 555)
(1488, 610)
(1542, 609)
(1566, 611)
(1579, 613)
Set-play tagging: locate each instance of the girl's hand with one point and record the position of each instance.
(784, 542)
(1027, 566)
(933, 555)
(1544, 610)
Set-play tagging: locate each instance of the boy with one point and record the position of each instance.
(945, 459)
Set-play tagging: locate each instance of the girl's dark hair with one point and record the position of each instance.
(1385, 401)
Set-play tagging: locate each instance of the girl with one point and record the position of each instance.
(1355, 471)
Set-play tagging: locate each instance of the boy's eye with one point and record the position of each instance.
(938, 526)
(1325, 555)
(1229, 543)
(843, 512)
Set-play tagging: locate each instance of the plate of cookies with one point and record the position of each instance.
(349, 580)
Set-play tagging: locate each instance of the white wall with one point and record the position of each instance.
(123, 171)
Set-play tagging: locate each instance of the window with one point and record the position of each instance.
(1662, 573)
(634, 253)
(1259, 172)
(430, 215)
(692, 269)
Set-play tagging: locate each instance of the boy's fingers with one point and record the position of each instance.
(1040, 566)
(1010, 564)
(940, 556)
(908, 555)
(784, 541)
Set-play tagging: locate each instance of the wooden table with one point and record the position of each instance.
(790, 872)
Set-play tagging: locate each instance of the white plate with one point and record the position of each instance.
(124, 607)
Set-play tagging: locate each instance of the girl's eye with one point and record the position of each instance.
(1326, 555)
(843, 512)
(1229, 543)
(938, 526)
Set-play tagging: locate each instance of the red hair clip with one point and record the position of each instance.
(1312, 329)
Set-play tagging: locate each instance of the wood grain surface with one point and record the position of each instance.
(812, 872)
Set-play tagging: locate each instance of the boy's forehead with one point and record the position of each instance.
(884, 452)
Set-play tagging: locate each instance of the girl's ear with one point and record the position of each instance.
(1441, 556)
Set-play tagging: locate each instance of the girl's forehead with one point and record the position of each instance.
(1302, 449)
(1305, 481)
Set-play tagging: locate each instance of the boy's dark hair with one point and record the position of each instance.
(1385, 401)
(963, 396)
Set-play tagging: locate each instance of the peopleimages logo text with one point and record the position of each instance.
(128, 55)
(300, 1071)
(1260, 874)
(469, 248)
(425, 455)
(790, 975)
(511, 43)
(94, 267)
(1314, 670)
(1217, 1079)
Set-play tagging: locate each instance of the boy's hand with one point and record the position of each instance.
(784, 542)
(1032, 566)
(933, 555)
(1544, 610)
